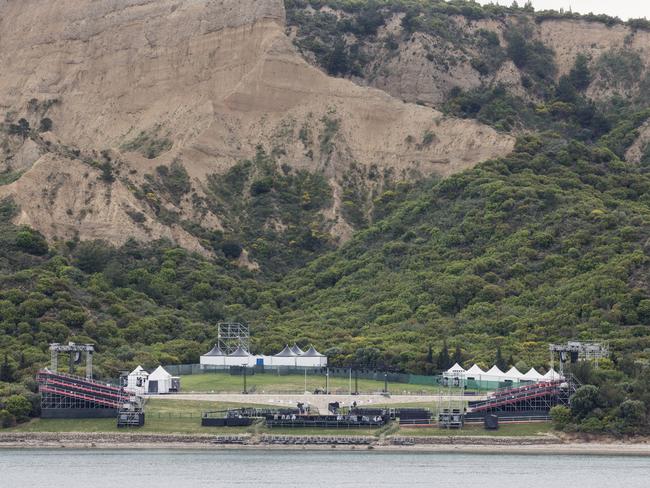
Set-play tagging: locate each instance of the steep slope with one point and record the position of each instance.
(133, 85)
(420, 52)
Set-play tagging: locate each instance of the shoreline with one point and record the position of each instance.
(444, 445)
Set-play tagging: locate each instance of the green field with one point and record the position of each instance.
(505, 430)
(162, 416)
(165, 416)
(273, 383)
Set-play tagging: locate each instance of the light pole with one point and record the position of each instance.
(327, 381)
(385, 382)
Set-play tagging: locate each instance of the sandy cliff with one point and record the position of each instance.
(213, 78)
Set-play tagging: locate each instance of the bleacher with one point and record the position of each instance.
(69, 396)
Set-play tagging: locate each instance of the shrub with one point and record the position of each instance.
(561, 416)
(31, 242)
(18, 406)
(585, 400)
(6, 419)
(231, 249)
(45, 125)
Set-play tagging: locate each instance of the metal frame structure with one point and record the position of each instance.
(453, 417)
(62, 391)
(233, 335)
(536, 398)
(75, 351)
(574, 351)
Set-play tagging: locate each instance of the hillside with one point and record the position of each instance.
(168, 168)
(423, 51)
(123, 119)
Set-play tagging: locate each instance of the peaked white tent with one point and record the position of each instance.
(240, 357)
(553, 375)
(160, 381)
(286, 357)
(214, 357)
(296, 350)
(532, 375)
(311, 358)
(475, 372)
(137, 381)
(514, 374)
(455, 370)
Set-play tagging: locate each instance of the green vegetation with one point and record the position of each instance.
(277, 213)
(549, 243)
(148, 144)
(8, 177)
(611, 402)
(273, 383)
(161, 417)
(505, 430)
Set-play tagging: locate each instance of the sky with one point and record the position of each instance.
(625, 9)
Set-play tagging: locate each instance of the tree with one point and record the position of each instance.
(580, 74)
(585, 400)
(231, 249)
(338, 62)
(21, 128)
(18, 406)
(499, 362)
(633, 414)
(457, 356)
(7, 371)
(6, 419)
(45, 125)
(107, 172)
(443, 363)
(31, 242)
(93, 256)
(561, 416)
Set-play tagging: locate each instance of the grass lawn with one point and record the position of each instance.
(273, 383)
(162, 416)
(505, 430)
(184, 417)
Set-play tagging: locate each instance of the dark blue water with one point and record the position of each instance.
(300, 469)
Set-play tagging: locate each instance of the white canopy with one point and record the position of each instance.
(138, 371)
(475, 371)
(456, 368)
(160, 373)
(553, 375)
(532, 375)
(513, 374)
(495, 371)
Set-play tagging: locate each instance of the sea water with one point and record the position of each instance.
(66, 468)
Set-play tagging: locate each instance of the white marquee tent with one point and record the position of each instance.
(137, 381)
(160, 381)
(494, 374)
(532, 375)
(289, 356)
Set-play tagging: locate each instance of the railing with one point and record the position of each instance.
(516, 396)
(98, 392)
(80, 379)
(80, 396)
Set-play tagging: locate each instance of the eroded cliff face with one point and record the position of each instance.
(422, 67)
(132, 85)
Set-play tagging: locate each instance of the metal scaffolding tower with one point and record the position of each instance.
(75, 351)
(232, 336)
(574, 351)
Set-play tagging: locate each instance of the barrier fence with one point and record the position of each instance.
(346, 373)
